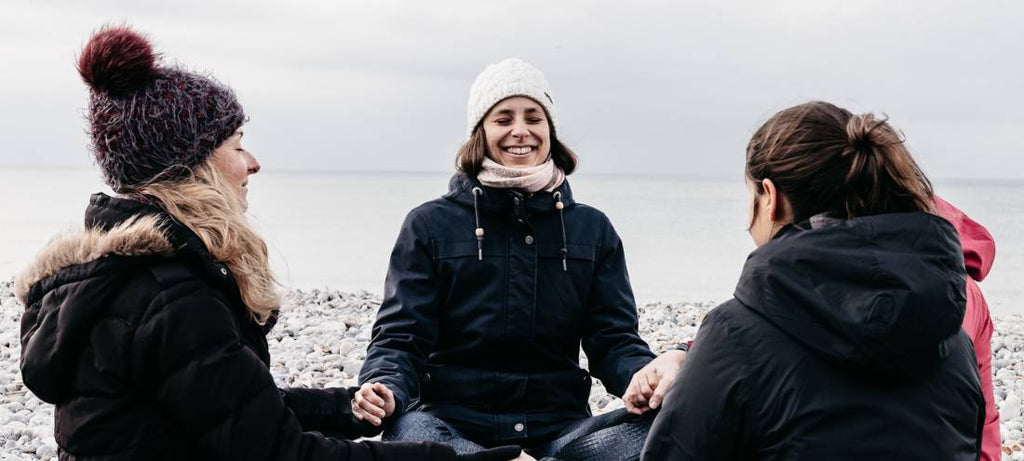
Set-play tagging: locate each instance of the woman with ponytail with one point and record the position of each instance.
(843, 340)
(147, 329)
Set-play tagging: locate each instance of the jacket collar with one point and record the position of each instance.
(126, 227)
(460, 190)
(105, 212)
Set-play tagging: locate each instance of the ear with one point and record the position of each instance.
(770, 199)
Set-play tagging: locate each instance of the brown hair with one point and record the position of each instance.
(471, 155)
(823, 158)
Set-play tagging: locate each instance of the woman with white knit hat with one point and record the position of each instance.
(493, 288)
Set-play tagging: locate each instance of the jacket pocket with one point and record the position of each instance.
(463, 386)
(570, 281)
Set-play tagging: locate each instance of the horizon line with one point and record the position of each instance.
(659, 174)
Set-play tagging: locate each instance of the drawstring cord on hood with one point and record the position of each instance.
(561, 217)
(564, 251)
(479, 230)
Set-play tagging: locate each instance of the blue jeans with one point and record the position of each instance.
(615, 435)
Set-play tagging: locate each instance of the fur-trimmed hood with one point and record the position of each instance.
(137, 236)
(90, 289)
(96, 276)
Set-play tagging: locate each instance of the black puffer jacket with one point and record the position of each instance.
(490, 342)
(142, 342)
(843, 342)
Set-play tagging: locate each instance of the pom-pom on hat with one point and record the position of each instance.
(149, 122)
(511, 77)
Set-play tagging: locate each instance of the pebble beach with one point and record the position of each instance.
(321, 341)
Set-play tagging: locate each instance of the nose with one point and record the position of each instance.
(254, 166)
(519, 129)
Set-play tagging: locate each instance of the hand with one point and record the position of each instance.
(373, 402)
(649, 385)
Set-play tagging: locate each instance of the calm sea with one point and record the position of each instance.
(685, 240)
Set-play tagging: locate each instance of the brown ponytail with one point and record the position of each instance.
(883, 175)
(825, 159)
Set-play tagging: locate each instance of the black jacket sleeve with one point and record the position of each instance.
(328, 411)
(611, 339)
(704, 414)
(187, 350)
(407, 322)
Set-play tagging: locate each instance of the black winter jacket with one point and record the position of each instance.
(141, 340)
(843, 342)
(486, 335)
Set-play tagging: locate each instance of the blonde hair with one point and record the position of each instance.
(210, 207)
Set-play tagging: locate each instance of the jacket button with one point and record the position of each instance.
(519, 427)
(529, 240)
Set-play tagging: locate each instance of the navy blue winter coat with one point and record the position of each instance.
(486, 334)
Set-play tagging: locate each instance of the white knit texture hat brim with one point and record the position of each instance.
(508, 78)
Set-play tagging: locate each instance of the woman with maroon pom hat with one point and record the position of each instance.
(147, 329)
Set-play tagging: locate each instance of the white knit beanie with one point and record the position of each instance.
(511, 77)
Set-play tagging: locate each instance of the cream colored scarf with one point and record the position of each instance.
(546, 176)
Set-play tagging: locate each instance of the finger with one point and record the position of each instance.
(376, 411)
(633, 407)
(646, 387)
(363, 411)
(383, 391)
(659, 393)
(372, 396)
(628, 402)
(371, 414)
(639, 398)
(370, 409)
(629, 397)
(389, 399)
(363, 393)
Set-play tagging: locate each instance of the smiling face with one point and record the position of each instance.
(235, 164)
(517, 132)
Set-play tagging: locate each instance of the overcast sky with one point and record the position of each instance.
(641, 86)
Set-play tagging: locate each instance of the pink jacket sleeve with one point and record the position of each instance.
(979, 253)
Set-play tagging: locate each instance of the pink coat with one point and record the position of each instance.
(979, 252)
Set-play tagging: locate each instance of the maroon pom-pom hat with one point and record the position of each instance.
(149, 122)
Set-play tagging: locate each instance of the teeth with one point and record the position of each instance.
(519, 150)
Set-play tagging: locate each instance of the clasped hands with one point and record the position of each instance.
(648, 386)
